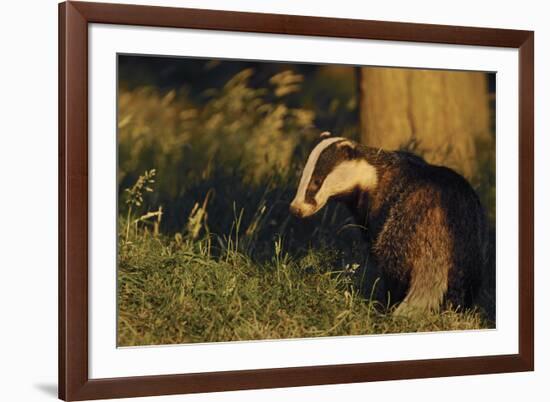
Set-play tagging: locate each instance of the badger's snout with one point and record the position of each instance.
(296, 210)
(303, 209)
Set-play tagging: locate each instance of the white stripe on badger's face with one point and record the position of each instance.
(310, 168)
(347, 176)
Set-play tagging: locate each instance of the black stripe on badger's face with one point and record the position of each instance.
(328, 158)
(334, 167)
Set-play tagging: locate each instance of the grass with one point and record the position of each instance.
(179, 290)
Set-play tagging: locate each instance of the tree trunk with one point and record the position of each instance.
(437, 114)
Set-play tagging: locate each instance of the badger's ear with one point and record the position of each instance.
(349, 149)
(324, 134)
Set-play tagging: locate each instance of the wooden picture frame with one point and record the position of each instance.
(74, 381)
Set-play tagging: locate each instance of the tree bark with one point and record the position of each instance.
(437, 114)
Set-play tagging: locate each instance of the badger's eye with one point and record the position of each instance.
(316, 183)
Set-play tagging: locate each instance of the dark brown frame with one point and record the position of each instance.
(74, 383)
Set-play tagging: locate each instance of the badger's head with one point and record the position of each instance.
(335, 167)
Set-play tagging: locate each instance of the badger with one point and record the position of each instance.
(424, 225)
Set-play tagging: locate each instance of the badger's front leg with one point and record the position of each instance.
(425, 293)
(428, 255)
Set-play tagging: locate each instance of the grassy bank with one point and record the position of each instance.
(177, 290)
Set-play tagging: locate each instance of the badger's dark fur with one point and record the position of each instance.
(424, 224)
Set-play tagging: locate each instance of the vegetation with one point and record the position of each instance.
(207, 248)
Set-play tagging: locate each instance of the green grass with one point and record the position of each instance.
(177, 290)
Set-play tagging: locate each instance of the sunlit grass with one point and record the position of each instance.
(176, 291)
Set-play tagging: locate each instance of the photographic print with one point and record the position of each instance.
(274, 200)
